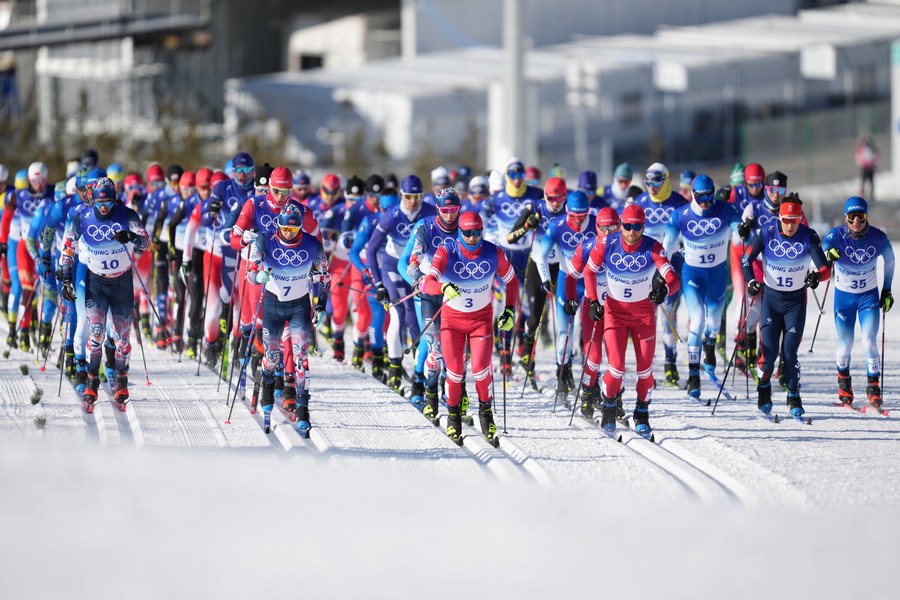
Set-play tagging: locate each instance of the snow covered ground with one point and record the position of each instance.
(380, 503)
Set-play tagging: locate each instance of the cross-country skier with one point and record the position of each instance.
(787, 248)
(639, 277)
(467, 269)
(658, 202)
(6, 192)
(562, 238)
(103, 238)
(615, 194)
(704, 227)
(854, 248)
(282, 261)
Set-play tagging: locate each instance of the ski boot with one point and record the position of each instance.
(211, 354)
(395, 374)
(873, 391)
(301, 417)
(417, 392)
(11, 339)
(109, 365)
(70, 362)
(782, 376)
(177, 345)
(146, 331)
(486, 417)
(620, 409)
(641, 417)
(121, 386)
(367, 351)
(527, 361)
(4, 297)
(289, 398)
(693, 382)
(46, 330)
(671, 372)
(267, 401)
(431, 404)
(337, 345)
(795, 404)
(709, 355)
(25, 339)
(562, 390)
(378, 364)
(326, 330)
(845, 388)
(190, 350)
(160, 338)
(279, 387)
(587, 402)
(356, 361)
(454, 424)
(464, 404)
(256, 355)
(764, 396)
(80, 380)
(568, 377)
(607, 414)
(89, 397)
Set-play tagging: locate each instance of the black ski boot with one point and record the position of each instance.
(80, 380)
(11, 340)
(378, 364)
(562, 390)
(671, 372)
(46, 330)
(25, 339)
(431, 404)
(464, 404)
(620, 410)
(211, 354)
(337, 345)
(764, 396)
(607, 413)
(301, 417)
(190, 350)
(693, 382)
(356, 360)
(395, 374)
(121, 387)
(709, 354)
(527, 360)
(289, 396)
(795, 404)
(417, 391)
(568, 377)
(255, 358)
(454, 424)
(146, 331)
(782, 376)
(89, 397)
(873, 391)
(486, 416)
(845, 388)
(70, 362)
(641, 417)
(266, 403)
(587, 402)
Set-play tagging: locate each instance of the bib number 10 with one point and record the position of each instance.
(110, 265)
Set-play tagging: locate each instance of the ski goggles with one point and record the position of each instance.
(790, 219)
(776, 190)
(155, 185)
(281, 191)
(351, 198)
(755, 185)
(555, 199)
(289, 231)
(633, 226)
(859, 217)
(470, 232)
(107, 204)
(515, 174)
(244, 170)
(449, 210)
(412, 197)
(328, 192)
(608, 228)
(130, 189)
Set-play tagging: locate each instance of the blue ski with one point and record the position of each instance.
(718, 384)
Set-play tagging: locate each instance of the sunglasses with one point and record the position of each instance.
(608, 228)
(515, 174)
(281, 191)
(449, 210)
(327, 192)
(556, 198)
(244, 170)
(776, 190)
(412, 196)
(204, 186)
(132, 188)
(471, 232)
(632, 226)
(288, 230)
(156, 184)
(705, 199)
(653, 184)
(754, 185)
(857, 216)
(790, 220)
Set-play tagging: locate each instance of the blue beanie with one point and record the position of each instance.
(855, 204)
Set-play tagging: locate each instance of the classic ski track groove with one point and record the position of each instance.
(680, 466)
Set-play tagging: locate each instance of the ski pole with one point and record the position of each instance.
(433, 318)
(672, 323)
(742, 327)
(40, 282)
(205, 299)
(62, 350)
(144, 287)
(821, 312)
(881, 373)
(818, 304)
(53, 327)
(228, 318)
(390, 305)
(559, 368)
(365, 290)
(246, 360)
(534, 347)
(503, 372)
(135, 320)
(583, 367)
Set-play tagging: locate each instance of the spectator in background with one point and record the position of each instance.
(867, 161)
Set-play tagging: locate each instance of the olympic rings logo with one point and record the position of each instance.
(267, 222)
(438, 241)
(294, 259)
(511, 210)
(472, 270)
(404, 229)
(859, 256)
(628, 262)
(657, 215)
(103, 232)
(572, 239)
(765, 220)
(704, 227)
(785, 249)
(29, 205)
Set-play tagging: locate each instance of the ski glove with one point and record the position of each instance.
(506, 320)
(746, 228)
(570, 307)
(658, 295)
(68, 290)
(450, 290)
(262, 277)
(754, 287)
(533, 221)
(887, 300)
(215, 205)
(123, 236)
(248, 237)
(548, 287)
(320, 309)
(596, 310)
(833, 254)
(812, 279)
(44, 267)
(381, 293)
